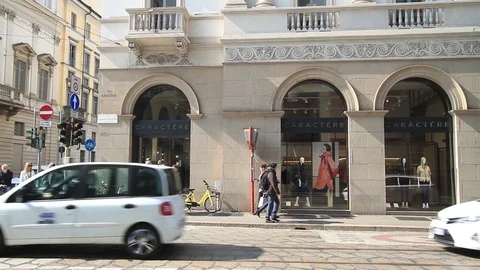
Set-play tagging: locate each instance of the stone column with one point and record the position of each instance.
(264, 3)
(236, 4)
(466, 153)
(114, 141)
(366, 162)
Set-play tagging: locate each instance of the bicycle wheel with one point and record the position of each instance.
(214, 205)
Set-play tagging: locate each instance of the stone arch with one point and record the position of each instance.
(145, 83)
(443, 79)
(316, 73)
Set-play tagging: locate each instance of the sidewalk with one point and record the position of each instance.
(312, 221)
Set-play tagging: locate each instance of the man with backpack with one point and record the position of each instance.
(270, 185)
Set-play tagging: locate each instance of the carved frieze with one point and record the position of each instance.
(354, 51)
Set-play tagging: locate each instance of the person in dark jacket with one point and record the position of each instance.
(262, 202)
(6, 176)
(273, 194)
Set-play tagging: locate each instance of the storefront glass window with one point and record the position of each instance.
(418, 152)
(161, 133)
(314, 165)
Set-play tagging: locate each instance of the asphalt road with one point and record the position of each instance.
(252, 248)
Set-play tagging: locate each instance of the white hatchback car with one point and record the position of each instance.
(136, 205)
(458, 226)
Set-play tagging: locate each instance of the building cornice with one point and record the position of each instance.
(333, 36)
(349, 7)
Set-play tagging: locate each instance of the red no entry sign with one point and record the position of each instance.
(46, 112)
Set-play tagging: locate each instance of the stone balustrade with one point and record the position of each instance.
(418, 17)
(8, 93)
(352, 17)
(157, 20)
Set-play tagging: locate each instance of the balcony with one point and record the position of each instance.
(157, 26)
(10, 100)
(351, 18)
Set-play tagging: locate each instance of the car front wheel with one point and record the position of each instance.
(142, 242)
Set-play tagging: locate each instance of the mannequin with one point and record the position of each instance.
(302, 183)
(424, 181)
(404, 182)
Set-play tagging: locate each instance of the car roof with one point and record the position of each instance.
(154, 166)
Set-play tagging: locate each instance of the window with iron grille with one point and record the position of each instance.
(43, 82)
(73, 20)
(88, 29)
(97, 66)
(86, 63)
(72, 54)
(85, 100)
(20, 74)
(95, 105)
(19, 129)
(82, 155)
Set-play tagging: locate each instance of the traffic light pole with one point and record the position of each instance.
(38, 144)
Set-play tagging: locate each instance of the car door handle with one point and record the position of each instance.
(129, 206)
(70, 207)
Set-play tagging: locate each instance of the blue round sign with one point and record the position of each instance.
(89, 145)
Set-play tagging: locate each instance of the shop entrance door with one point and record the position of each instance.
(170, 150)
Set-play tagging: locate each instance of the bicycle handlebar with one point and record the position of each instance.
(205, 182)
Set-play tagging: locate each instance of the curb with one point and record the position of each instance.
(322, 227)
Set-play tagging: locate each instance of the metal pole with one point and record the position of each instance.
(59, 155)
(252, 171)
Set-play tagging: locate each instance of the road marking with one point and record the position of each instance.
(376, 238)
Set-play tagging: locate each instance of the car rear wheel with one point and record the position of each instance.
(142, 242)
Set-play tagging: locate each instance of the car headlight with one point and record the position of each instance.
(465, 219)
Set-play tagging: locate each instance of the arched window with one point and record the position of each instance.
(418, 147)
(313, 137)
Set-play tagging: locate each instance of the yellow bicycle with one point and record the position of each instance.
(210, 199)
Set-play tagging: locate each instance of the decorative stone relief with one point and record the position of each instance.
(352, 51)
(35, 28)
(167, 59)
(162, 59)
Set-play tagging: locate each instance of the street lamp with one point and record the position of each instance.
(251, 136)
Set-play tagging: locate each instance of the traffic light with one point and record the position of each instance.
(32, 138)
(65, 133)
(41, 136)
(77, 132)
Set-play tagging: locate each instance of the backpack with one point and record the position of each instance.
(264, 183)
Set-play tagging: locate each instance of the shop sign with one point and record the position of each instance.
(418, 124)
(314, 125)
(161, 127)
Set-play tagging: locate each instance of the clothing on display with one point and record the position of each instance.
(327, 171)
(425, 181)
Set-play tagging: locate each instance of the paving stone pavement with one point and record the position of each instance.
(256, 248)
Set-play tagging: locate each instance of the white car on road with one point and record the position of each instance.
(458, 226)
(135, 205)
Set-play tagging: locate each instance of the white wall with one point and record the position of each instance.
(116, 8)
(205, 6)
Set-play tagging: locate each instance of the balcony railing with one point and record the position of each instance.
(311, 21)
(352, 17)
(407, 17)
(8, 93)
(158, 20)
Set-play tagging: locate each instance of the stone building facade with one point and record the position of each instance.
(367, 92)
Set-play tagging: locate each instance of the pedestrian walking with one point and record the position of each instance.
(27, 172)
(262, 203)
(273, 194)
(148, 161)
(6, 177)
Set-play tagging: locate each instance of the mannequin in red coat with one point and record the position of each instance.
(328, 170)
